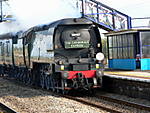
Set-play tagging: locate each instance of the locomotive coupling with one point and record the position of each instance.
(79, 81)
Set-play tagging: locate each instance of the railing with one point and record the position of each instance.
(139, 23)
(105, 16)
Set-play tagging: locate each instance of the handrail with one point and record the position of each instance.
(139, 23)
(106, 17)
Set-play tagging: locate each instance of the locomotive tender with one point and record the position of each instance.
(62, 55)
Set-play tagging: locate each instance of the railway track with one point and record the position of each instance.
(124, 102)
(95, 105)
(6, 109)
(109, 99)
(78, 99)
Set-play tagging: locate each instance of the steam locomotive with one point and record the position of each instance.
(63, 55)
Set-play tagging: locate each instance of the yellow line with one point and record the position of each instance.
(129, 74)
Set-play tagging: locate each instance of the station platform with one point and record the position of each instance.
(136, 75)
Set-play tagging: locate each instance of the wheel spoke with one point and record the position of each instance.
(57, 87)
(63, 85)
(47, 82)
(53, 85)
(42, 79)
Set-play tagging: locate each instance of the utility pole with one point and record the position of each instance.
(82, 8)
(1, 4)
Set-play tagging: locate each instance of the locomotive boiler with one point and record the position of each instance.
(63, 55)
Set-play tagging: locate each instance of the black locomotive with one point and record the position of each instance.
(62, 55)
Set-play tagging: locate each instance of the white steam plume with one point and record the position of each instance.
(6, 27)
(33, 12)
(29, 13)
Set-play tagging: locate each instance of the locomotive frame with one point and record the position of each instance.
(61, 56)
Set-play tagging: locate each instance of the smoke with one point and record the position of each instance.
(6, 27)
(29, 13)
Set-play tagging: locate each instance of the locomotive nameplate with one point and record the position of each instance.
(76, 44)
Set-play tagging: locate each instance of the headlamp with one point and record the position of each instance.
(62, 67)
(60, 62)
(97, 66)
(100, 56)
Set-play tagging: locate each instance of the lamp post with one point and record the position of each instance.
(1, 4)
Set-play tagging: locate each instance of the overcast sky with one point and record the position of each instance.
(133, 8)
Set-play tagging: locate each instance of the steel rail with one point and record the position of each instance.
(124, 102)
(95, 105)
(69, 97)
(6, 109)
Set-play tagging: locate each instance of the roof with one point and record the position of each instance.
(125, 31)
(68, 21)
